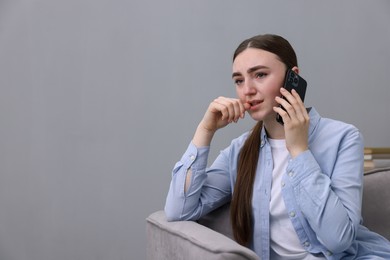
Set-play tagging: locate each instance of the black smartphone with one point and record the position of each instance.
(293, 81)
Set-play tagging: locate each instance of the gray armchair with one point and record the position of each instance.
(211, 237)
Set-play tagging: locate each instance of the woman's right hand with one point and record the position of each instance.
(221, 112)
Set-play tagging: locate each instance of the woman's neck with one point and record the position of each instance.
(274, 129)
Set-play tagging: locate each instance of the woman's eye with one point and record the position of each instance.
(238, 81)
(261, 75)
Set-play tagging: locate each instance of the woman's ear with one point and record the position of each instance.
(295, 69)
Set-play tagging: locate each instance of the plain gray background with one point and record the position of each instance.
(98, 100)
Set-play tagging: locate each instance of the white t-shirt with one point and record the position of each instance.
(285, 243)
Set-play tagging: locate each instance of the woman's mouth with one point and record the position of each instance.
(254, 104)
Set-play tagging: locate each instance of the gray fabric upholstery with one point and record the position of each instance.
(376, 201)
(189, 240)
(219, 220)
(211, 236)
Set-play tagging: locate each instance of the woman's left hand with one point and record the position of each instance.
(296, 121)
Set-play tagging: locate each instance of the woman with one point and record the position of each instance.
(295, 189)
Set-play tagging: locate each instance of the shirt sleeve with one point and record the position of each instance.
(331, 203)
(208, 189)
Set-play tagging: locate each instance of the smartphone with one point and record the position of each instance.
(293, 81)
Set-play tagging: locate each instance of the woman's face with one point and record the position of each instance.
(258, 76)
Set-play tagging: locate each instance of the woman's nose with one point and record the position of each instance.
(249, 88)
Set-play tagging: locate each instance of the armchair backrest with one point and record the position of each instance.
(219, 220)
(376, 201)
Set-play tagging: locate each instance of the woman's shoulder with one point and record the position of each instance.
(331, 135)
(330, 125)
(237, 143)
(240, 140)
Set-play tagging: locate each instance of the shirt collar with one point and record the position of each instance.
(314, 120)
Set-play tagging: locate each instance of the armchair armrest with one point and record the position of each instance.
(189, 240)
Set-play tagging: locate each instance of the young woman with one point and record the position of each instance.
(295, 189)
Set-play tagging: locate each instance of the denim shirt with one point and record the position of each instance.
(322, 191)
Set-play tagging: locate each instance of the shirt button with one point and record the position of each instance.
(291, 174)
(292, 214)
(328, 253)
(192, 157)
(306, 244)
(283, 184)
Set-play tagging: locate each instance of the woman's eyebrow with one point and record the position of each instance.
(250, 70)
(236, 74)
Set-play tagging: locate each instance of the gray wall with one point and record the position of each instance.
(98, 99)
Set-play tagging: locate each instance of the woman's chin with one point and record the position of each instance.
(260, 116)
(257, 116)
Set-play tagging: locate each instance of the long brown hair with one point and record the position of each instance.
(241, 204)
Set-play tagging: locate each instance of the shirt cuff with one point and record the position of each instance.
(195, 157)
(302, 166)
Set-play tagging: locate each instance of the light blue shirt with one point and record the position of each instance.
(322, 191)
